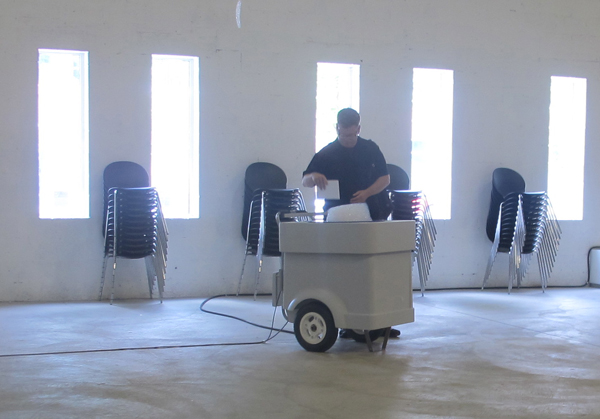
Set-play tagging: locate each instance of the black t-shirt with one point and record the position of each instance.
(356, 168)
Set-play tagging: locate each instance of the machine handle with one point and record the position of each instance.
(283, 215)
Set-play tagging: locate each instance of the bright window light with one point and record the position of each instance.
(566, 146)
(176, 134)
(338, 87)
(63, 134)
(431, 157)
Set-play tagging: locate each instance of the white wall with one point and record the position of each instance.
(258, 104)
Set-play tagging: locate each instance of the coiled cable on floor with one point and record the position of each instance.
(271, 328)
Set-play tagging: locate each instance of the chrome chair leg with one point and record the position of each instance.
(112, 290)
(239, 287)
(150, 272)
(103, 276)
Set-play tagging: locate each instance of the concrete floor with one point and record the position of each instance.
(469, 354)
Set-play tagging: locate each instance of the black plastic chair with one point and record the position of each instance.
(123, 174)
(526, 225)
(260, 176)
(413, 205)
(399, 180)
(504, 182)
(262, 238)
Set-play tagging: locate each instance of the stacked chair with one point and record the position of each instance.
(262, 230)
(504, 182)
(507, 236)
(541, 235)
(399, 180)
(412, 205)
(525, 225)
(134, 226)
(260, 176)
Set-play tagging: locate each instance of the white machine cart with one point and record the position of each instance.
(350, 275)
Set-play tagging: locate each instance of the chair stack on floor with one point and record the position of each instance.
(259, 176)
(412, 205)
(134, 227)
(265, 195)
(541, 236)
(525, 224)
(263, 230)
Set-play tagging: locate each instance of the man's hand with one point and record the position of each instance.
(360, 196)
(315, 179)
(319, 180)
(378, 186)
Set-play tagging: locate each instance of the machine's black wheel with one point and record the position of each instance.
(314, 327)
(359, 335)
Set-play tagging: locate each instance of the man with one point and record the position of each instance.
(357, 163)
(359, 166)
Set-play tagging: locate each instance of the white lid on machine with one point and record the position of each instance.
(349, 213)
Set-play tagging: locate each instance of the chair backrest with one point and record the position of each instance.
(504, 182)
(399, 180)
(123, 174)
(260, 176)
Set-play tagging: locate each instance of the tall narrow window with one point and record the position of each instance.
(431, 159)
(176, 134)
(566, 146)
(63, 134)
(338, 87)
